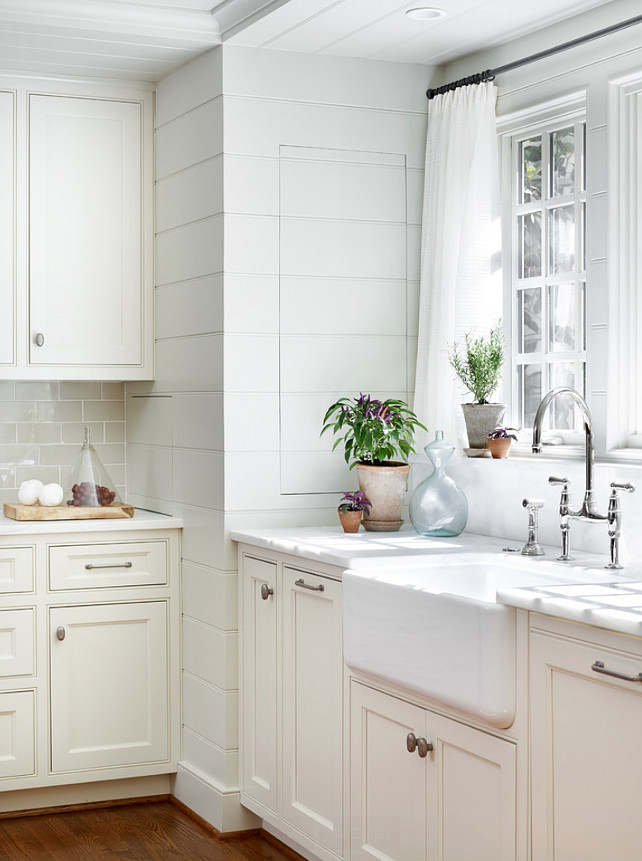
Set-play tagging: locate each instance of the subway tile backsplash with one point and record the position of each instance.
(41, 429)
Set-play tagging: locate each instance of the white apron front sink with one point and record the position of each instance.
(438, 630)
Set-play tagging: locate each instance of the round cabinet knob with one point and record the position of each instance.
(266, 591)
(39, 339)
(418, 744)
(60, 633)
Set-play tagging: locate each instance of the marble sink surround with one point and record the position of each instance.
(582, 601)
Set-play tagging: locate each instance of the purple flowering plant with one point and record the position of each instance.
(372, 431)
(354, 502)
(502, 433)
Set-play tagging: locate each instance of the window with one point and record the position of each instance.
(548, 272)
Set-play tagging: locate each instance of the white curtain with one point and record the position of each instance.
(460, 288)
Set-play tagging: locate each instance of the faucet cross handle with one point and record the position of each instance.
(615, 485)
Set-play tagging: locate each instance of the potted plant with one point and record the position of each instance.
(478, 364)
(351, 509)
(373, 433)
(499, 441)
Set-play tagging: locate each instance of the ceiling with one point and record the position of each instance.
(146, 39)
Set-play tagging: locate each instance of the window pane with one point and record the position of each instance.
(561, 238)
(582, 316)
(562, 316)
(583, 237)
(530, 245)
(562, 410)
(530, 389)
(530, 156)
(530, 321)
(562, 162)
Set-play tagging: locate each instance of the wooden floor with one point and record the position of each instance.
(156, 831)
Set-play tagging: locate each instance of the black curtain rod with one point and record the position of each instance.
(490, 74)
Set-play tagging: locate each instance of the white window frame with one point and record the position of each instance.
(556, 113)
(624, 423)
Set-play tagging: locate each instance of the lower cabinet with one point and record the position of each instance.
(109, 685)
(424, 786)
(89, 657)
(291, 747)
(586, 759)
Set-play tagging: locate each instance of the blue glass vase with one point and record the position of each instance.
(438, 506)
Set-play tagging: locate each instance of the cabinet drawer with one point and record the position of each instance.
(17, 747)
(16, 642)
(96, 566)
(16, 569)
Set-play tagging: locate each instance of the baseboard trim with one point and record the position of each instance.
(219, 807)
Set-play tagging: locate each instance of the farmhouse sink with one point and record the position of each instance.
(439, 630)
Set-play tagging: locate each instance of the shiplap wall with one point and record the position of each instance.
(204, 440)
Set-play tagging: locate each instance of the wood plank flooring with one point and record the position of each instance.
(155, 831)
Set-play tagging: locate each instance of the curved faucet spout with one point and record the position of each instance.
(588, 509)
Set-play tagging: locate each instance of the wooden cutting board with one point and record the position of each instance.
(17, 511)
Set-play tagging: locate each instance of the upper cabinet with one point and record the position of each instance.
(76, 291)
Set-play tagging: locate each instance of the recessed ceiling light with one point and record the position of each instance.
(425, 13)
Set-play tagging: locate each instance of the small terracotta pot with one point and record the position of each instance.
(351, 520)
(499, 447)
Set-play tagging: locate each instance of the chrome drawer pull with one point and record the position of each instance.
(304, 585)
(90, 567)
(598, 667)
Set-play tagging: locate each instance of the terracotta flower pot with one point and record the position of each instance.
(385, 486)
(350, 520)
(499, 447)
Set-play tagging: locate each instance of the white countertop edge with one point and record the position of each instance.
(141, 520)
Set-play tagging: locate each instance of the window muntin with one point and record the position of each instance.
(549, 268)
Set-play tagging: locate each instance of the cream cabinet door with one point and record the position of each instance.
(109, 685)
(17, 734)
(85, 234)
(313, 707)
(471, 793)
(7, 229)
(586, 757)
(260, 748)
(388, 793)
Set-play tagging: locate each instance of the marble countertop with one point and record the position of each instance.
(609, 599)
(141, 520)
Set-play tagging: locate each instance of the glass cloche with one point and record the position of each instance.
(89, 482)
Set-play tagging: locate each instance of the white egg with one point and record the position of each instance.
(51, 494)
(29, 491)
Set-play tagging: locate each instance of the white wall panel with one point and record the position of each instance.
(321, 363)
(415, 192)
(251, 363)
(342, 306)
(327, 472)
(191, 138)
(210, 654)
(252, 244)
(194, 193)
(190, 251)
(149, 420)
(356, 249)
(190, 364)
(210, 596)
(204, 540)
(252, 303)
(243, 432)
(243, 492)
(190, 307)
(222, 766)
(258, 127)
(188, 87)
(149, 471)
(210, 712)
(197, 421)
(198, 478)
(251, 185)
(342, 189)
